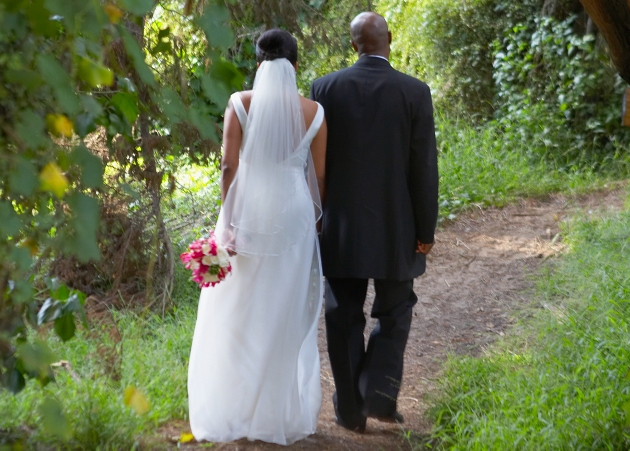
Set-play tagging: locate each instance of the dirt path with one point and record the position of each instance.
(475, 281)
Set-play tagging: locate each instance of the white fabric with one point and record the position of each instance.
(261, 205)
(254, 368)
(377, 56)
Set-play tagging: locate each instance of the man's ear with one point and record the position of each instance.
(354, 46)
(389, 35)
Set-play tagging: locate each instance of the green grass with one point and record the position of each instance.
(564, 382)
(122, 350)
(486, 166)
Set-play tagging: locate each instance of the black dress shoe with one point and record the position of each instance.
(357, 426)
(360, 428)
(395, 418)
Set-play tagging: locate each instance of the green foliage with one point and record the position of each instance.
(564, 383)
(484, 165)
(322, 29)
(68, 67)
(448, 44)
(145, 351)
(559, 88)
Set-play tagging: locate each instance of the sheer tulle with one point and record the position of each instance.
(259, 210)
(254, 363)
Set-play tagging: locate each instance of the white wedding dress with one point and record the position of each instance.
(254, 367)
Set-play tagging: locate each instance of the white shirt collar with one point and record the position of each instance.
(377, 56)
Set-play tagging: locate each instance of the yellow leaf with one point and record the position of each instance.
(113, 12)
(94, 73)
(186, 437)
(59, 125)
(52, 179)
(135, 399)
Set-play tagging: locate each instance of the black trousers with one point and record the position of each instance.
(367, 381)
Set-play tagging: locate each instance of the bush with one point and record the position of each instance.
(559, 89)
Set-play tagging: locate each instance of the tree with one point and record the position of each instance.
(612, 18)
(67, 69)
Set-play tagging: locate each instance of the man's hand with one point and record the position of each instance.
(423, 248)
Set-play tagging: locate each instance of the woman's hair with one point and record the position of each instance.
(276, 43)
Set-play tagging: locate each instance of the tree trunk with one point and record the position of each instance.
(153, 179)
(612, 18)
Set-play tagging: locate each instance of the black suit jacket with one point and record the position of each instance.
(381, 172)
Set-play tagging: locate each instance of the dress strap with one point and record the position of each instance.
(239, 109)
(315, 125)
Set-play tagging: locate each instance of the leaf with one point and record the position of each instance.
(227, 73)
(129, 191)
(91, 105)
(215, 91)
(134, 398)
(31, 130)
(65, 327)
(16, 381)
(91, 167)
(52, 179)
(186, 437)
(204, 124)
(161, 47)
(59, 125)
(54, 420)
(84, 124)
(39, 19)
(164, 33)
(137, 56)
(214, 22)
(35, 357)
(95, 74)
(113, 12)
(127, 104)
(23, 178)
(172, 105)
(138, 7)
(49, 311)
(10, 224)
(56, 76)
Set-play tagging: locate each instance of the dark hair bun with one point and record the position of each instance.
(274, 44)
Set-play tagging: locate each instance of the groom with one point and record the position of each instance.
(379, 218)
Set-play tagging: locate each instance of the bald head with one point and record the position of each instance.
(370, 35)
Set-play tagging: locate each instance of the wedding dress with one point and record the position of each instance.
(254, 365)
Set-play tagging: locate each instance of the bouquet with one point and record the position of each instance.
(208, 261)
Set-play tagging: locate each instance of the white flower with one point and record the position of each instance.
(205, 248)
(210, 260)
(194, 265)
(207, 277)
(223, 257)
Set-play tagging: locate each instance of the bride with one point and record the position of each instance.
(254, 363)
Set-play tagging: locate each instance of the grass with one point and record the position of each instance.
(564, 383)
(131, 348)
(120, 350)
(486, 166)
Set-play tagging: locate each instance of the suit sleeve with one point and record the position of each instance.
(423, 170)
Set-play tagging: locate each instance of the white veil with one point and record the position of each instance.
(264, 212)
